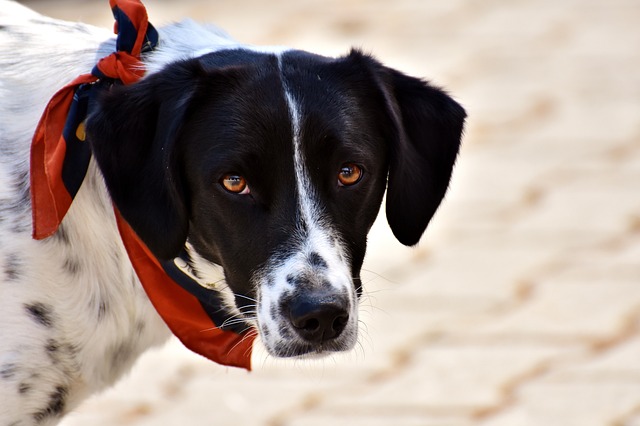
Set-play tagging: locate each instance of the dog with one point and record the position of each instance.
(267, 165)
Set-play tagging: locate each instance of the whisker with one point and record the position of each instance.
(233, 322)
(379, 275)
(242, 296)
(246, 336)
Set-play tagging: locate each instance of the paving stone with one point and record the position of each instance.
(578, 310)
(569, 403)
(395, 419)
(456, 378)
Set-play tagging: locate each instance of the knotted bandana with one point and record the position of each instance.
(59, 162)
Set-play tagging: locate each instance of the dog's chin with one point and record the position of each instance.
(306, 352)
(298, 349)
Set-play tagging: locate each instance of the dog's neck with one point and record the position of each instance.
(99, 277)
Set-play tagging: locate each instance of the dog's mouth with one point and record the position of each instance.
(306, 351)
(286, 344)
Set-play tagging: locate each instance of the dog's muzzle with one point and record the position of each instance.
(307, 310)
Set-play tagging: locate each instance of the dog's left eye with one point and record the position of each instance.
(349, 174)
(235, 184)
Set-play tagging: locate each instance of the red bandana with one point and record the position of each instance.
(59, 161)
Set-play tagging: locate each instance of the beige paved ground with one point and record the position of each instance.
(522, 306)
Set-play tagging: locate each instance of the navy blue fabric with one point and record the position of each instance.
(78, 153)
(76, 160)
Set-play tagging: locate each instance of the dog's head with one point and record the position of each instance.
(274, 167)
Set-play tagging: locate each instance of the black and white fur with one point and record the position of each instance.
(286, 253)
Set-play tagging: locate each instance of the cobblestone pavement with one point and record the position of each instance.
(522, 304)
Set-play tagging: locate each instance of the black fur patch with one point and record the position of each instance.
(285, 332)
(62, 235)
(265, 332)
(120, 356)
(53, 351)
(102, 309)
(72, 266)
(12, 267)
(40, 313)
(298, 281)
(60, 353)
(16, 209)
(23, 189)
(317, 261)
(24, 388)
(57, 402)
(140, 326)
(8, 371)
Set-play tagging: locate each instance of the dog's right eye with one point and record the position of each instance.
(235, 184)
(349, 174)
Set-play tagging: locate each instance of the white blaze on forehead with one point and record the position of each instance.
(318, 237)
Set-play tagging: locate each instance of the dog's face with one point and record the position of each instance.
(274, 167)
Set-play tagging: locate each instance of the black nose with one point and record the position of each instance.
(318, 318)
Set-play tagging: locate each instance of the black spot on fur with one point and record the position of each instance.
(53, 349)
(12, 267)
(274, 311)
(23, 188)
(62, 235)
(265, 332)
(61, 354)
(120, 356)
(40, 313)
(16, 208)
(72, 266)
(134, 280)
(140, 326)
(285, 332)
(317, 261)
(8, 371)
(296, 280)
(55, 407)
(52, 346)
(102, 309)
(24, 388)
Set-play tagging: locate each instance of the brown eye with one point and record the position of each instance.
(235, 184)
(350, 174)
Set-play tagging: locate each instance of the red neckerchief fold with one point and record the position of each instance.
(59, 162)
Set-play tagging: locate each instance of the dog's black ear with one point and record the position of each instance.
(429, 125)
(133, 132)
(426, 128)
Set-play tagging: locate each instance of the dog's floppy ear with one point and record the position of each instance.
(426, 128)
(429, 125)
(133, 132)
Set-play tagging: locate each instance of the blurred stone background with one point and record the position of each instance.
(522, 304)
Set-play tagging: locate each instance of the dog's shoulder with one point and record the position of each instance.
(38, 56)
